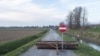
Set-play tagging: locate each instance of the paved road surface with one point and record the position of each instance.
(52, 36)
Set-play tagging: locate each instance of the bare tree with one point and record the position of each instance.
(77, 18)
(84, 18)
(70, 18)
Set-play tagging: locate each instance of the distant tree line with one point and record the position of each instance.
(29, 27)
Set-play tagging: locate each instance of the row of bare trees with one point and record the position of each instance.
(77, 18)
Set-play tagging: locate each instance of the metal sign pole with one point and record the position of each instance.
(62, 41)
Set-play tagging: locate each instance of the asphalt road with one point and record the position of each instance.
(50, 36)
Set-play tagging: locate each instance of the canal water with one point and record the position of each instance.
(92, 45)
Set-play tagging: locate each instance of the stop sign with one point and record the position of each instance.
(62, 27)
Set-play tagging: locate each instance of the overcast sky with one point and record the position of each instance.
(44, 12)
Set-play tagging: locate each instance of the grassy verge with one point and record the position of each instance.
(84, 50)
(21, 49)
(68, 38)
(94, 29)
(17, 44)
(89, 35)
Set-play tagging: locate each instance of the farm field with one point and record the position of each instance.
(13, 34)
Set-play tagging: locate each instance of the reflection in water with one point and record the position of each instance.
(94, 46)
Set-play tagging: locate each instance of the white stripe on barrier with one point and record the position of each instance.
(62, 28)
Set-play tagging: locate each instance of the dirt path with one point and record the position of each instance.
(52, 36)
